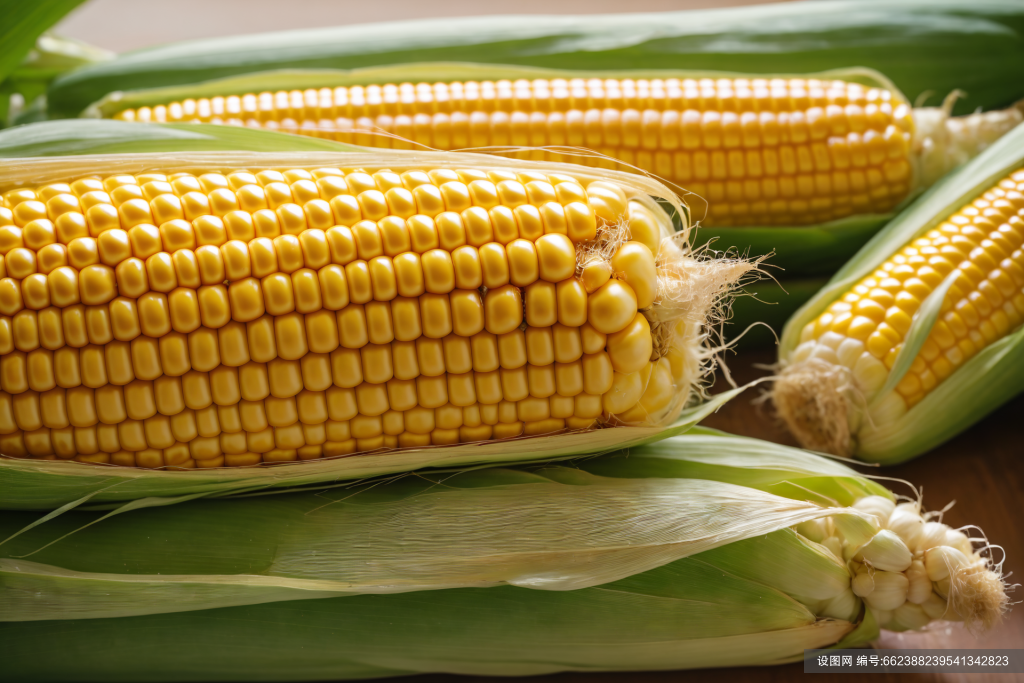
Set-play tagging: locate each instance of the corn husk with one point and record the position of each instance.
(980, 385)
(48, 485)
(549, 528)
(52, 56)
(637, 624)
(682, 554)
(30, 57)
(23, 23)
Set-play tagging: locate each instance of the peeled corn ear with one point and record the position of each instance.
(924, 322)
(236, 313)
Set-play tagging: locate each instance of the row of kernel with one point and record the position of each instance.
(166, 409)
(147, 358)
(523, 264)
(109, 360)
(874, 184)
(184, 310)
(140, 263)
(324, 183)
(482, 353)
(591, 374)
(382, 375)
(630, 129)
(840, 154)
(280, 385)
(197, 227)
(193, 429)
(65, 217)
(540, 96)
(203, 406)
(213, 250)
(291, 335)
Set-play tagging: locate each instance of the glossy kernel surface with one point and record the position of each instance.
(234, 318)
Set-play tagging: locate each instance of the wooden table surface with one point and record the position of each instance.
(982, 470)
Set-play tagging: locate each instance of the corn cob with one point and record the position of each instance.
(773, 572)
(283, 316)
(893, 337)
(759, 151)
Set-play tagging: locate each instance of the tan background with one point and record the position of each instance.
(982, 469)
(121, 25)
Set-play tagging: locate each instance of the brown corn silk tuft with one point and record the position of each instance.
(978, 596)
(811, 399)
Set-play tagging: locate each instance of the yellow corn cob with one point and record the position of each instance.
(760, 151)
(292, 315)
(862, 333)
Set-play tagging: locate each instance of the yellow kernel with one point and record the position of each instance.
(630, 348)
(503, 309)
(161, 274)
(556, 257)
(611, 307)
(634, 263)
(436, 315)
(438, 271)
(597, 373)
(861, 327)
(595, 274)
(522, 262)
(467, 312)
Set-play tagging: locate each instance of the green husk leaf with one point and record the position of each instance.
(553, 529)
(783, 560)
(986, 381)
(23, 23)
(867, 631)
(730, 604)
(981, 384)
(53, 55)
(923, 45)
(716, 456)
(50, 57)
(669, 618)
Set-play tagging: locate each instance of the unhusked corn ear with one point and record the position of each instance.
(861, 334)
(226, 319)
(760, 151)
